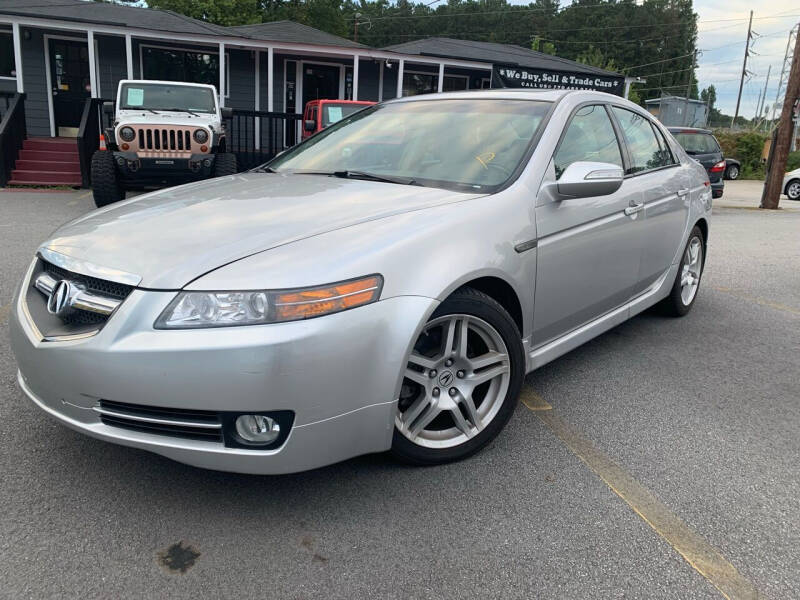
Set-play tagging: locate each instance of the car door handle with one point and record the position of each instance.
(683, 192)
(634, 208)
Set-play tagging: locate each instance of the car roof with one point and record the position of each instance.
(163, 82)
(688, 130)
(332, 100)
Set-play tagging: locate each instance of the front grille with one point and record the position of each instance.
(164, 139)
(173, 422)
(103, 287)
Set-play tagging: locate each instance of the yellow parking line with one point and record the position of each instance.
(701, 555)
(756, 300)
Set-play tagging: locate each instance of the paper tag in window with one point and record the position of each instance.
(334, 114)
(135, 97)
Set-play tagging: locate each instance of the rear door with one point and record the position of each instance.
(588, 248)
(665, 191)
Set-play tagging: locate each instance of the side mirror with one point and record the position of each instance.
(108, 108)
(309, 125)
(584, 179)
(226, 112)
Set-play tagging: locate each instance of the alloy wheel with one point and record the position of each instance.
(690, 273)
(455, 382)
(733, 172)
(793, 190)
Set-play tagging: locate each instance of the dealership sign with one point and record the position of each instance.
(545, 79)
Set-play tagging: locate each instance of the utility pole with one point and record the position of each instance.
(355, 27)
(787, 61)
(760, 110)
(780, 152)
(688, 90)
(744, 68)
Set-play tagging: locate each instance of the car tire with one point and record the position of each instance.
(732, 172)
(793, 189)
(105, 183)
(684, 290)
(478, 382)
(225, 164)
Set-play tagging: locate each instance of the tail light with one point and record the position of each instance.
(718, 168)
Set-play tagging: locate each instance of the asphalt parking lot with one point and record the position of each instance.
(666, 439)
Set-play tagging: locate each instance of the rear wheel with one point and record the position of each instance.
(225, 164)
(461, 382)
(105, 183)
(793, 189)
(687, 282)
(732, 172)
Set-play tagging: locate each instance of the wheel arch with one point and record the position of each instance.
(497, 288)
(703, 225)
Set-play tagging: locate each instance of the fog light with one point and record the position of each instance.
(257, 429)
(207, 163)
(120, 161)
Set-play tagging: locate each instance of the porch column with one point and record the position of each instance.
(271, 81)
(355, 77)
(380, 82)
(222, 74)
(257, 100)
(441, 77)
(129, 54)
(92, 63)
(18, 56)
(400, 67)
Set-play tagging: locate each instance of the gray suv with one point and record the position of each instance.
(384, 285)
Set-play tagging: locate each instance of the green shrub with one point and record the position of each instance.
(746, 147)
(793, 162)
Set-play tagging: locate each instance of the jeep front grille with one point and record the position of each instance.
(161, 138)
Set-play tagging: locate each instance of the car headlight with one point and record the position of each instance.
(191, 310)
(200, 136)
(127, 134)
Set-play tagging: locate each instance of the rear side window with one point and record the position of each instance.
(645, 151)
(697, 142)
(669, 158)
(589, 137)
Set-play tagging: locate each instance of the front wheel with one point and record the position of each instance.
(105, 183)
(687, 282)
(224, 164)
(793, 190)
(461, 382)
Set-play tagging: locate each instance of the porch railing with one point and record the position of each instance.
(93, 121)
(257, 136)
(12, 133)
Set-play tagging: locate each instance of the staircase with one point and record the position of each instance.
(47, 162)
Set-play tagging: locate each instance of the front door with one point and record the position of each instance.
(320, 82)
(589, 248)
(70, 83)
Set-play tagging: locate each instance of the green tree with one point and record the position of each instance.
(539, 45)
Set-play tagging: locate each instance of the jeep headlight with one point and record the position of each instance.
(200, 136)
(190, 310)
(127, 134)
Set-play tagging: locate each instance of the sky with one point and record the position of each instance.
(722, 41)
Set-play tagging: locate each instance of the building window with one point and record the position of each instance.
(7, 67)
(191, 66)
(415, 83)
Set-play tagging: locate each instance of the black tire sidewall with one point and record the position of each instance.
(224, 164)
(675, 305)
(472, 302)
(788, 185)
(733, 172)
(105, 182)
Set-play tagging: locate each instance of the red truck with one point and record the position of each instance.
(321, 113)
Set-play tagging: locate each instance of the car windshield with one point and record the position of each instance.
(333, 113)
(475, 144)
(163, 96)
(697, 143)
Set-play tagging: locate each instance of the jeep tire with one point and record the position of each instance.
(225, 164)
(105, 184)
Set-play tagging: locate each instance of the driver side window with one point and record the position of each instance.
(589, 137)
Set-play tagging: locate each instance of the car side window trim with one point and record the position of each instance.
(618, 128)
(662, 142)
(622, 150)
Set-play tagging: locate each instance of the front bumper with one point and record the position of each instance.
(339, 374)
(143, 171)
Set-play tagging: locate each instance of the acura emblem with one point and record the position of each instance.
(446, 378)
(59, 302)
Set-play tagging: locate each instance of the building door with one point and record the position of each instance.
(320, 82)
(70, 83)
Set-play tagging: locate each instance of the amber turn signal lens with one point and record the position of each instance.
(125, 146)
(314, 302)
(203, 148)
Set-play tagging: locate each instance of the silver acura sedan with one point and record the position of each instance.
(385, 285)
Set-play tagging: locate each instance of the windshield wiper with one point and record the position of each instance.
(374, 177)
(180, 110)
(264, 169)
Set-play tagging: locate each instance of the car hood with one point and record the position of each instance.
(170, 237)
(171, 117)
